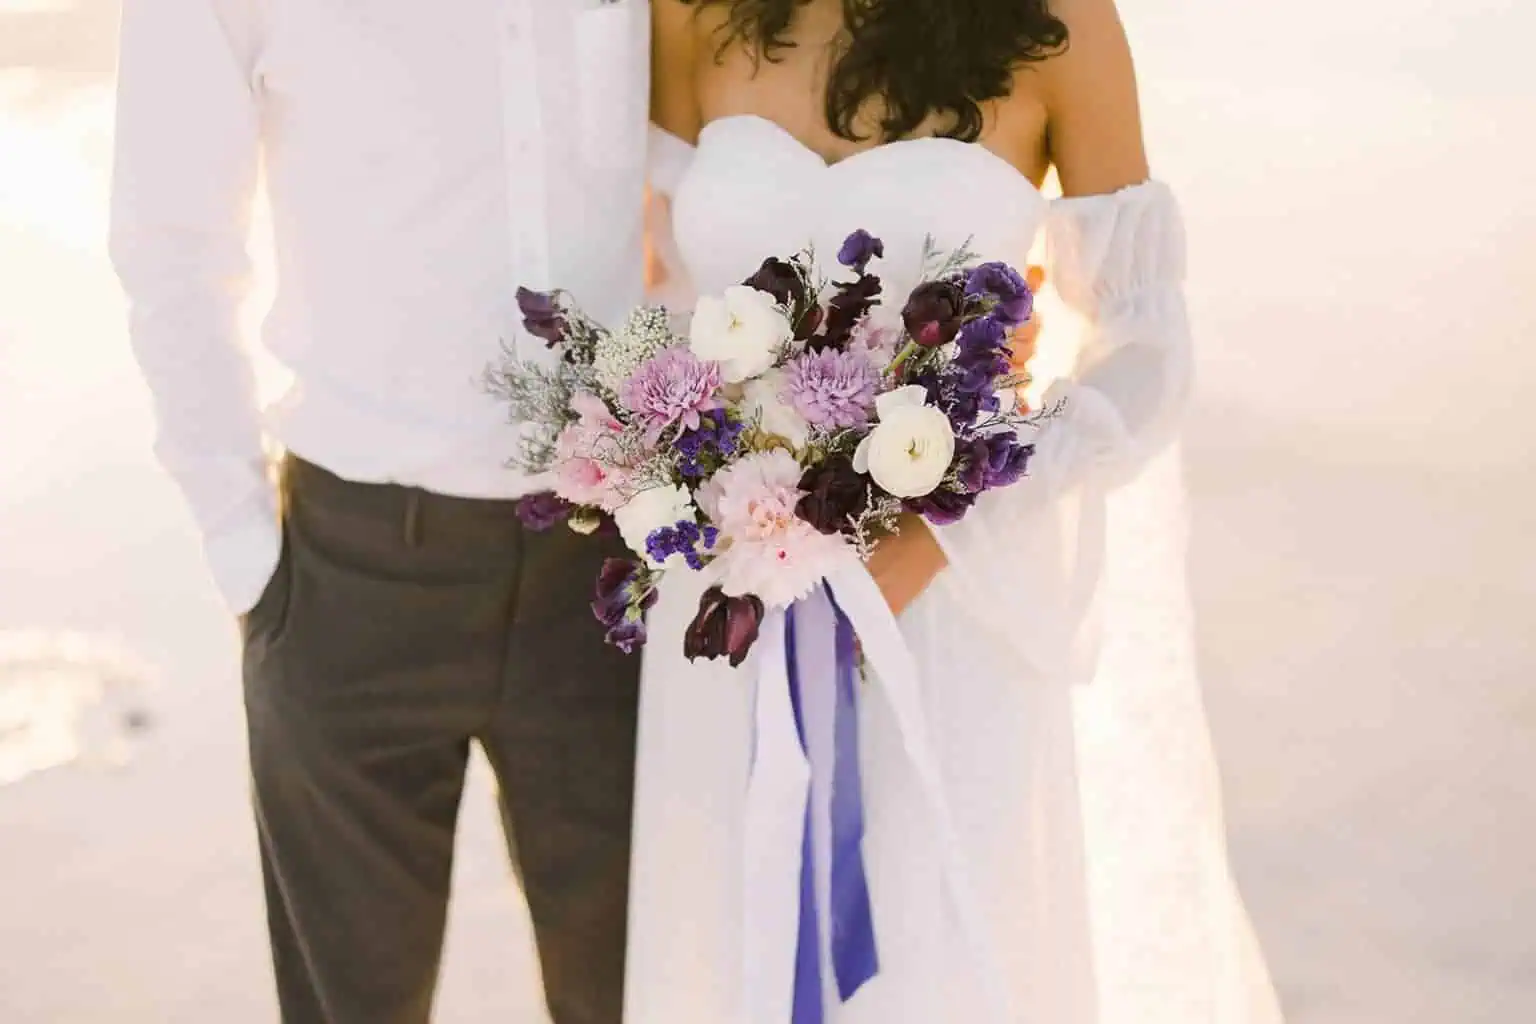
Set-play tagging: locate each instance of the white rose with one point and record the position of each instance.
(648, 512)
(742, 331)
(910, 450)
(762, 399)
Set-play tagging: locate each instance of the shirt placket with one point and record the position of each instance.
(523, 135)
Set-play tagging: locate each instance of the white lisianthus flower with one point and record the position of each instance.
(649, 511)
(743, 331)
(763, 399)
(910, 449)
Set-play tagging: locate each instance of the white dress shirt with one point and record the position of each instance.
(422, 161)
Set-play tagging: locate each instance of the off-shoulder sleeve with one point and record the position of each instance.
(667, 281)
(1119, 261)
(666, 159)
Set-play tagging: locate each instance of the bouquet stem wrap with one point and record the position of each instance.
(806, 900)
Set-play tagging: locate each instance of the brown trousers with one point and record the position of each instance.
(401, 626)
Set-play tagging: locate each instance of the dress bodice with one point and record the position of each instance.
(752, 191)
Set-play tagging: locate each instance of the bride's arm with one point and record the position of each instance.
(1115, 253)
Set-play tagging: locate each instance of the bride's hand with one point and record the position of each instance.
(904, 563)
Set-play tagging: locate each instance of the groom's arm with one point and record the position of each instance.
(184, 175)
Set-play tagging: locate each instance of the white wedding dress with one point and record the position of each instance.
(1001, 639)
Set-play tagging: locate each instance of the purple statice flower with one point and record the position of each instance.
(673, 386)
(542, 316)
(858, 249)
(625, 591)
(831, 389)
(993, 460)
(686, 538)
(714, 439)
(538, 512)
(1010, 296)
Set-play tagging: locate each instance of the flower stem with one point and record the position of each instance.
(912, 348)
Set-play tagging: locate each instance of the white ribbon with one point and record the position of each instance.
(776, 801)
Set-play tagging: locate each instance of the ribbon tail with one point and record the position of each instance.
(809, 1001)
(774, 838)
(886, 649)
(855, 958)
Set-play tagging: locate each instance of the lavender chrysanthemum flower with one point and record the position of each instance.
(832, 389)
(674, 386)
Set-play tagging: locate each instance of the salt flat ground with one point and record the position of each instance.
(1358, 184)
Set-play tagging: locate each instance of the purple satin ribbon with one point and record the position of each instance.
(855, 959)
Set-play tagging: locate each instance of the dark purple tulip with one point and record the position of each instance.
(538, 512)
(614, 580)
(628, 636)
(787, 283)
(858, 249)
(933, 313)
(725, 627)
(542, 315)
(835, 494)
(1013, 302)
(781, 279)
(942, 507)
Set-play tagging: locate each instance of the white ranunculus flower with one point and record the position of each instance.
(742, 330)
(910, 449)
(649, 511)
(762, 399)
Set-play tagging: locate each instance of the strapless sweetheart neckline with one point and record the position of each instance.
(884, 151)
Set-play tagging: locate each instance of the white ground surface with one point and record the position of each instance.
(1358, 180)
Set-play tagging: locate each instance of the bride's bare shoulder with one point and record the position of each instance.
(1089, 92)
(679, 36)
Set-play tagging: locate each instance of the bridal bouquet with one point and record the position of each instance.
(788, 425)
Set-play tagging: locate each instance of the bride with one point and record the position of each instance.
(812, 118)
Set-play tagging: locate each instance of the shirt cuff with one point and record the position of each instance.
(243, 552)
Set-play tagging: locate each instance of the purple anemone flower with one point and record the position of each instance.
(996, 460)
(1013, 302)
(942, 507)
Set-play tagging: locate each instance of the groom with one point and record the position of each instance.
(423, 161)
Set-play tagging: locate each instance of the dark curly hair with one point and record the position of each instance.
(919, 58)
